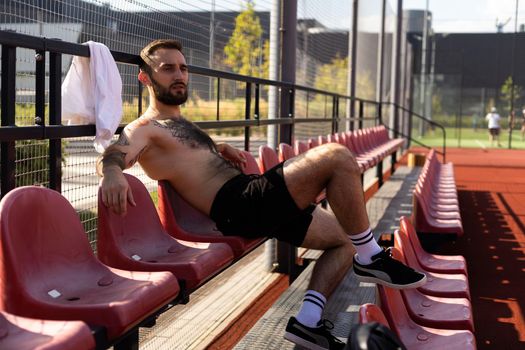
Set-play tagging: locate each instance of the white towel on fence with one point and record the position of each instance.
(92, 93)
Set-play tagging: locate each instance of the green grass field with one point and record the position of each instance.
(469, 138)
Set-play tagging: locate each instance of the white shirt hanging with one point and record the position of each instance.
(92, 93)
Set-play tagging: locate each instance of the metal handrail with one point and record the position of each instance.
(444, 151)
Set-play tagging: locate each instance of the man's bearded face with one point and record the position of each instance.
(173, 95)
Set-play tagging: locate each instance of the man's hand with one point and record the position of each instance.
(232, 154)
(115, 191)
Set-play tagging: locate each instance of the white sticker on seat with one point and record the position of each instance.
(136, 257)
(54, 293)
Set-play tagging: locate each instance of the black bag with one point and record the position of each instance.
(373, 336)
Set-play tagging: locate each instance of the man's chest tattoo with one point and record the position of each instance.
(187, 133)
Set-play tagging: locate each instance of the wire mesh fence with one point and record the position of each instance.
(208, 30)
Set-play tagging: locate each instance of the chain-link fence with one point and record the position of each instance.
(211, 33)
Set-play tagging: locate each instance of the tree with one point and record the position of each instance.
(333, 76)
(246, 53)
(506, 93)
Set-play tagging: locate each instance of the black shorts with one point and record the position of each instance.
(253, 206)
(494, 131)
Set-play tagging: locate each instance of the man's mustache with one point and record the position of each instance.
(178, 84)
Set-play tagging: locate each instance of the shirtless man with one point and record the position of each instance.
(276, 204)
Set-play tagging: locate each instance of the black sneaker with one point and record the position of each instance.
(389, 272)
(313, 338)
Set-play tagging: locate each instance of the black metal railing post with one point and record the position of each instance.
(247, 112)
(40, 87)
(55, 118)
(379, 119)
(8, 99)
(361, 114)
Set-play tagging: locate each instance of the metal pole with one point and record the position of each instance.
(513, 72)
(396, 81)
(286, 253)
(273, 98)
(289, 41)
(7, 113)
(380, 56)
(212, 48)
(353, 64)
(422, 87)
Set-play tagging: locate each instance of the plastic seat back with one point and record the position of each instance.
(138, 242)
(313, 142)
(267, 158)
(285, 152)
(49, 270)
(23, 333)
(38, 251)
(418, 337)
(251, 166)
(300, 147)
(139, 231)
(372, 313)
(436, 263)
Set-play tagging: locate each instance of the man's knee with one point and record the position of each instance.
(342, 156)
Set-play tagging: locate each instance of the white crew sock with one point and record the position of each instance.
(365, 245)
(312, 309)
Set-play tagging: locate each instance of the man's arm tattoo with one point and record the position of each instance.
(111, 156)
(122, 140)
(137, 157)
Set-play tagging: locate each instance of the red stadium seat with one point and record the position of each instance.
(184, 222)
(438, 284)
(435, 205)
(49, 270)
(138, 242)
(300, 147)
(415, 336)
(268, 158)
(23, 333)
(313, 142)
(251, 166)
(372, 313)
(430, 262)
(285, 152)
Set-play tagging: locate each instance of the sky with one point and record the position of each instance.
(448, 15)
(470, 16)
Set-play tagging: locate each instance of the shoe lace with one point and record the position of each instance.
(328, 326)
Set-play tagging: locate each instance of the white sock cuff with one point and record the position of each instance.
(363, 237)
(315, 297)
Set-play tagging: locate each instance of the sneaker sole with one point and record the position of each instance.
(301, 342)
(392, 285)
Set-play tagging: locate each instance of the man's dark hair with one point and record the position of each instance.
(148, 50)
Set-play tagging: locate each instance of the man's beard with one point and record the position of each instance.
(166, 96)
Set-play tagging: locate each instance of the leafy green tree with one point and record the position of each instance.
(246, 53)
(506, 93)
(333, 76)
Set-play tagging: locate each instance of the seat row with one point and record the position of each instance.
(435, 201)
(49, 271)
(370, 145)
(146, 261)
(437, 315)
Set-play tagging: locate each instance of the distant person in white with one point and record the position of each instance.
(493, 119)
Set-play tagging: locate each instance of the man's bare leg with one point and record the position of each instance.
(333, 167)
(324, 233)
